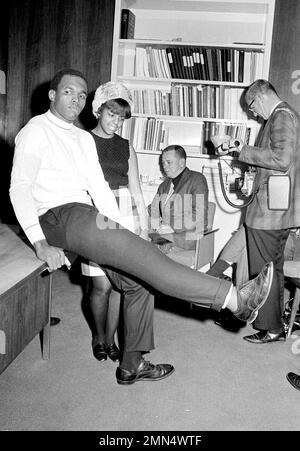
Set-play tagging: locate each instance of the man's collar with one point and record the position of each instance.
(57, 121)
(176, 180)
(275, 106)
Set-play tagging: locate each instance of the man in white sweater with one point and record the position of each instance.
(63, 203)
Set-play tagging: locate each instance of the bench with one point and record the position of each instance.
(25, 298)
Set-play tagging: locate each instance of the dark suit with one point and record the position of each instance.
(277, 152)
(185, 210)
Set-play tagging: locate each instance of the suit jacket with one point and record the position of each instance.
(277, 152)
(185, 210)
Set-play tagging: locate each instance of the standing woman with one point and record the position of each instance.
(112, 105)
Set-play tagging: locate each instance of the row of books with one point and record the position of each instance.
(203, 101)
(192, 63)
(155, 134)
(145, 133)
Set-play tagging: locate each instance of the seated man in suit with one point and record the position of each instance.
(179, 209)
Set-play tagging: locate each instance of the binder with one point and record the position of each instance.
(209, 64)
(215, 68)
(241, 66)
(127, 24)
(171, 62)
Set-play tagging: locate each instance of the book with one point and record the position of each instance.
(166, 63)
(241, 66)
(186, 65)
(177, 57)
(196, 59)
(171, 62)
(205, 68)
(127, 59)
(127, 24)
(179, 51)
(228, 64)
(219, 64)
(215, 67)
(191, 63)
(208, 52)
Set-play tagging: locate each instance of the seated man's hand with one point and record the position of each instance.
(164, 228)
(144, 234)
(53, 256)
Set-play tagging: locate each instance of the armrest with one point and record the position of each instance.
(208, 232)
(204, 253)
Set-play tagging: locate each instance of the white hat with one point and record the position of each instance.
(109, 91)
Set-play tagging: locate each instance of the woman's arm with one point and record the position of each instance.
(136, 192)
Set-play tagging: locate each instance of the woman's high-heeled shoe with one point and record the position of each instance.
(99, 351)
(113, 352)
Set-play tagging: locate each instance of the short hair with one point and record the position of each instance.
(179, 150)
(259, 86)
(117, 106)
(59, 75)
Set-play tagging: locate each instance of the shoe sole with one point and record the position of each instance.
(292, 383)
(145, 379)
(101, 359)
(278, 340)
(114, 359)
(255, 311)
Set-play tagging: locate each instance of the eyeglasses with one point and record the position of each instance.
(250, 105)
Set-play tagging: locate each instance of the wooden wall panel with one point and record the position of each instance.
(3, 63)
(285, 56)
(46, 36)
(41, 37)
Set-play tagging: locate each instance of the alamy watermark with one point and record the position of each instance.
(183, 212)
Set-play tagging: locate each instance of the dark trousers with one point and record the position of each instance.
(264, 246)
(138, 306)
(81, 229)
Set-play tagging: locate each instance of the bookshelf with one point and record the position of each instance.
(220, 47)
(187, 63)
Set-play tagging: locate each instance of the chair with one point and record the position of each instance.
(291, 269)
(205, 245)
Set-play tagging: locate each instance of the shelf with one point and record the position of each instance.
(180, 80)
(227, 158)
(196, 120)
(157, 42)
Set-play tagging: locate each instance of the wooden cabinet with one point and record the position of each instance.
(25, 298)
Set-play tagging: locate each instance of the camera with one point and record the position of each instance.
(247, 186)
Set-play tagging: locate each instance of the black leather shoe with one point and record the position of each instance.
(113, 352)
(264, 337)
(228, 321)
(99, 351)
(54, 321)
(146, 371)
(253, 294)
(294, 380)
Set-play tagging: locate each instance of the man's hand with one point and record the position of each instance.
(144, 234)
(164, 228)
(53, 256)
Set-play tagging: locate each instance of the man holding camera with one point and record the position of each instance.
(267, 226)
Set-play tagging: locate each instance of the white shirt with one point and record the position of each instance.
(56, 163)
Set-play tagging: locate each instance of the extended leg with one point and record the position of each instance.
(81, 229)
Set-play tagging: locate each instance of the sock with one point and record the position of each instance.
(232, 302)
(218, 268)
(131, 360)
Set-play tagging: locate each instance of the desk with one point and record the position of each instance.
(25, 298)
